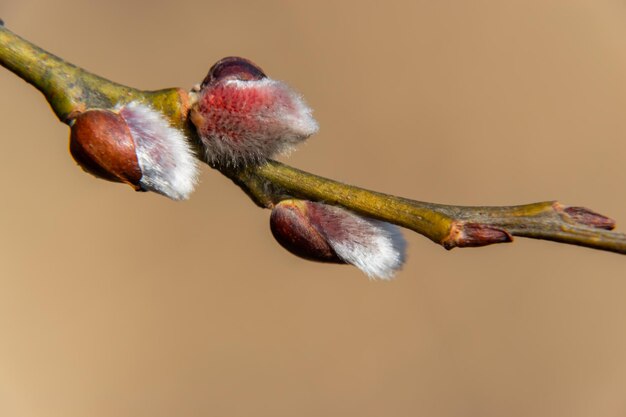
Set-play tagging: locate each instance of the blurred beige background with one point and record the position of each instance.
(114, 303)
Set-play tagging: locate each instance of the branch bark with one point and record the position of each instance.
(71, 90)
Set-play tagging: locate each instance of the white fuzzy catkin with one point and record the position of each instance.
(375, 247)
(167, 163)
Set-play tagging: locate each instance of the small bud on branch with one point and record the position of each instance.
(468, 235)
(589, 218)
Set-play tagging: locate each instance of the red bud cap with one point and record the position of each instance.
(244, 117)
(327, 233)
(233, 68)
(293, 229)
(101, 143)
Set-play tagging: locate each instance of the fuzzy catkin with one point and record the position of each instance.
(168, 165)
(244, 117)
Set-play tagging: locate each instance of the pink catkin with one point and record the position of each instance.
(247, 121)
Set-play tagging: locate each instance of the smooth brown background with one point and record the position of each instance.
(118, 304)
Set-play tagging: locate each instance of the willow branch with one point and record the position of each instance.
(71, 90)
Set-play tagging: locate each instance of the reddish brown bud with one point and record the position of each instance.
(464, 235)
(101, 143)
(590, 218)
(327, 233)
(292, 228)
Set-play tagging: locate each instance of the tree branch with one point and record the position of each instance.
(447, 225)
(71, 90)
